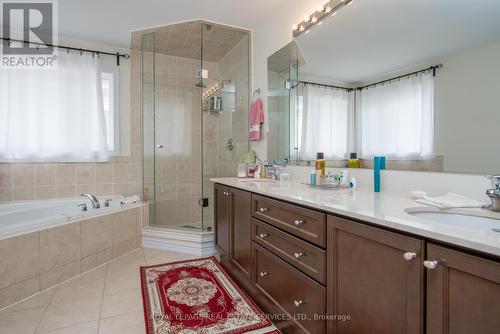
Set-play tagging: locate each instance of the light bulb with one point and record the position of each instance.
(321, 8)
(328, 9)
(306, 18)
(314, 19)
(301, 28)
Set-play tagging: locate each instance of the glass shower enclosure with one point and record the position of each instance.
(195, 97)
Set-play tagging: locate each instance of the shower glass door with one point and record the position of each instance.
(195, 79)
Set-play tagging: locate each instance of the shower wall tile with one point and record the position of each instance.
(5, 194)
(45, 175)
(45, 192)
(23, 193)
(23, 175)
(65, 191)
(65, 174)
(85, 174)
(6, 175)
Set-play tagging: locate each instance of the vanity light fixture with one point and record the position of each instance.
(331, 8)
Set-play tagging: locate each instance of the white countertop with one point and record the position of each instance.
(383, 209)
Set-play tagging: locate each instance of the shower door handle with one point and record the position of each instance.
(159, 146)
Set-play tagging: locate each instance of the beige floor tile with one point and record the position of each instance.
(154, 256)
(20, 321)
(107, 299)
(87, 328)
(131, 259)
(69, 314)
(126, 301)
(87, 286)
(40, 300)
(123, 281)
(129, 323)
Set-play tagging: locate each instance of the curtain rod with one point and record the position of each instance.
(324, 85)
(118, 55)
(431, 68)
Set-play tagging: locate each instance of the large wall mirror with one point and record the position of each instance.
(421, 87)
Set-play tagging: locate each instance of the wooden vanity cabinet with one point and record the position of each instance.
(221, 219)
(463, 293)
(374, 276)
(385, 281)
(232, 222)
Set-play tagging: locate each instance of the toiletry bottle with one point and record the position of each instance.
(353, 161)
(344, 176)
(320, 163)
(312, 177)
(378, 165)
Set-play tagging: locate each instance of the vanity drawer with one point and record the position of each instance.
(301, 254)
(289, 289)
(301, 222)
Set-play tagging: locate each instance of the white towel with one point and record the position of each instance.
(450, 201)
(130, 199)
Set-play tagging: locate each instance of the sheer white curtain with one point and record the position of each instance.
(53, 114)
(397, 119)
(324, 123)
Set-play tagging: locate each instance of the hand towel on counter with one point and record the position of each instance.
(450, 201)
(256, 119)
(130, 199)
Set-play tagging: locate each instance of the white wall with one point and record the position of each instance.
(468, 110)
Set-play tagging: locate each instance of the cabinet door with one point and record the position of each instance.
(221, 219)
(375, 277)
(241, 215)
(463, 293)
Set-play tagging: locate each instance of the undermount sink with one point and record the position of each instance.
(457, 219)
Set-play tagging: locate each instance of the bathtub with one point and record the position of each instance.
(23, 217)
(44, 243)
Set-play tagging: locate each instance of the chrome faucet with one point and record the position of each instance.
(494, 193)
(274, 172)
(93, 200)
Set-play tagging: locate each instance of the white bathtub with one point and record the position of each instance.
(23, 217)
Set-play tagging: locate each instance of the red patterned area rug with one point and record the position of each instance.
(198, 297)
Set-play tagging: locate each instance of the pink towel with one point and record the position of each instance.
(256, 119)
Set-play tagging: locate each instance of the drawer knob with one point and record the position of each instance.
(299, 254)
(263, 273)
(263, 235)
(264, 209)
(408, 256)
(298, 222)
(431, 264)
(297, 303)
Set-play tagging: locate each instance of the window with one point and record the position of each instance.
(54, 114)
(396, 119)
(324, 121)
(110, 98)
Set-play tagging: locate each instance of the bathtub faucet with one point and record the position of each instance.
(93, 200)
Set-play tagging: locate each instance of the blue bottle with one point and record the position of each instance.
(378, 164)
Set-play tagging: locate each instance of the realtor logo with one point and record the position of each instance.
(28, 34)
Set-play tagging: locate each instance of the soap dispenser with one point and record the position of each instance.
(378, 164)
